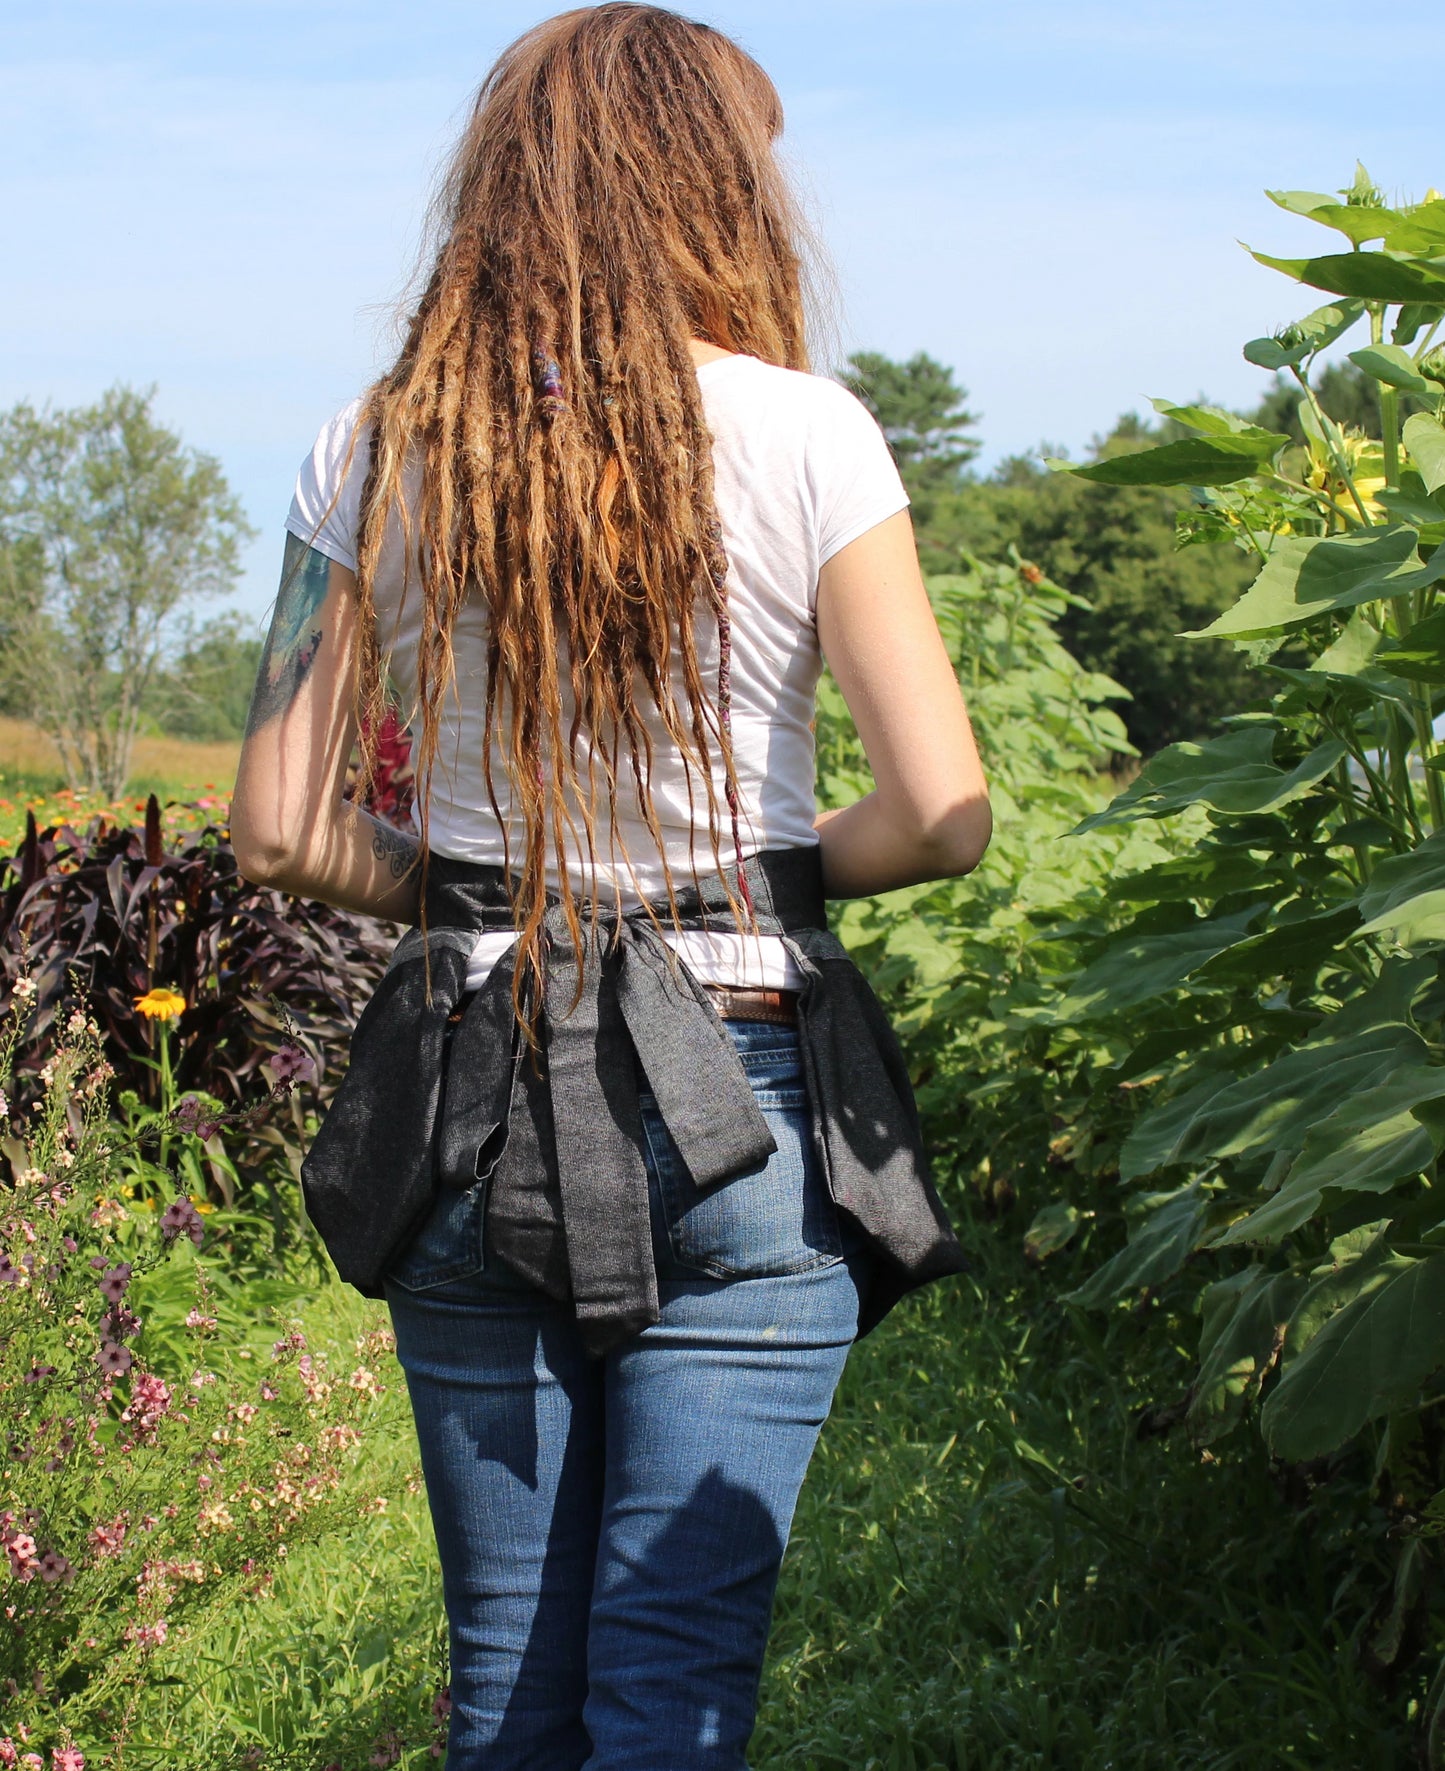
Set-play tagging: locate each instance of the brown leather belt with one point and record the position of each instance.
(737, 1002)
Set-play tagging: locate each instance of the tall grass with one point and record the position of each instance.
(344, 1657)
(31, 778)
(990, 1570)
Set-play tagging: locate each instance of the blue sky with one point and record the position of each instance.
(224, 199)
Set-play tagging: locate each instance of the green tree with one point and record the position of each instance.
(1115, 547)
(21, 577)
(206, 692)
(111, 530)
(923, 413)
(920, 407)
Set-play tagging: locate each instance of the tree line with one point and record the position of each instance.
(116, 539)
(1118, 547)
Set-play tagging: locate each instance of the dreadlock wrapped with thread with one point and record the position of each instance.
(614, 195)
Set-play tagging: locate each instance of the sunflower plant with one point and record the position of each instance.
(1262, 1032)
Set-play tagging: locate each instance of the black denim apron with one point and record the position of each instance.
(425, 1104)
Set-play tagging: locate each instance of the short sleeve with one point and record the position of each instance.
(855, 482)
(326, 506)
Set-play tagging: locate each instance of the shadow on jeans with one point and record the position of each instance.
(665, 1660)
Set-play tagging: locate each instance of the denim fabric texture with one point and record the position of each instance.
(610, 1530)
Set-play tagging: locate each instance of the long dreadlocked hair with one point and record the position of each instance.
(614, 194)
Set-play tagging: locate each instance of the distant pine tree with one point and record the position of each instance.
(921, 409)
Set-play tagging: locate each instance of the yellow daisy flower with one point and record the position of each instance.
(160, 1004)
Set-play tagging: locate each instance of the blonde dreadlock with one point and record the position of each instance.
(614, 195)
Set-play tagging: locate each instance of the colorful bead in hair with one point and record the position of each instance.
(551, 395)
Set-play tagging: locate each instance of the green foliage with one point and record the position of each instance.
(994, 1569)
(1211, 1067)
(1115, 545)
(971, 965)
(1068, 1588)
(110, 530)
(1345, 391)
(1139, 591)
(1039, 716)
(21, 591)
(1200, 1039)
(1279, 1005)
(1204, 460)
(921, 410)
(161, 1467)
(1313, 1143)
(205, 693)
(989, 1567)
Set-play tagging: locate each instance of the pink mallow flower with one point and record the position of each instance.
(114, 1361)
(10, 1753)
(150, 1401)
(67, 1758)
(291, 1065)
(181, 1218)
(114, 1282)
(10, 1274)
(20, 1547)
(108, 1540)
(53, 1567)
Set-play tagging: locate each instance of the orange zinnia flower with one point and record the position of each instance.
(160, 1004)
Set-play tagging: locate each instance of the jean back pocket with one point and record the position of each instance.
(773, 1219)
(449, 1245)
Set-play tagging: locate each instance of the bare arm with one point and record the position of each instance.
(290, 826)
(928, 816)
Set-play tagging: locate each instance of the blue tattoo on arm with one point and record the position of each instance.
(295, 636)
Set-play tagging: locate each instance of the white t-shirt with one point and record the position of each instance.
(800, 470)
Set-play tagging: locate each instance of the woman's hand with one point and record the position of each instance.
(928, 816)
(290, 826)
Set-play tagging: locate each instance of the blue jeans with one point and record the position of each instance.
(610, 1531)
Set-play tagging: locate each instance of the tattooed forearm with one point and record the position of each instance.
(295, 635)
(394, 847)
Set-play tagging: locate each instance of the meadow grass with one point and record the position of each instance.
(346, 1646)
(31, 778)
(989, 1570)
